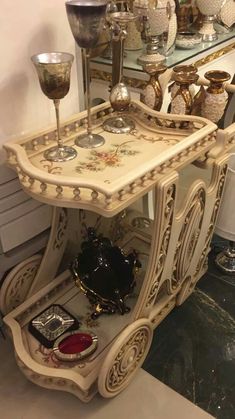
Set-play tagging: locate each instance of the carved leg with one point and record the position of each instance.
(198, 258)
(165, 200)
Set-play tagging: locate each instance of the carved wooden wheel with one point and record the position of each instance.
(17, 283)
(125, 358)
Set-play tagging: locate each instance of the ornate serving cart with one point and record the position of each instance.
(99, 189)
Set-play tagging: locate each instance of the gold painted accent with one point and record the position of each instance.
(105, 76)
(217, 54)
(216, 78)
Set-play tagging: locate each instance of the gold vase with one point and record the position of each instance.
(152, 94)
(211, 103)
(182, 97)
(182, 90)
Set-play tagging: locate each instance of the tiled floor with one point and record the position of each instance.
(145, 398)
(193, 350)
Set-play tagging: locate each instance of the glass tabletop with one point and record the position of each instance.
(177, 57)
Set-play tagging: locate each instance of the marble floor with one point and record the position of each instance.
(193, 350)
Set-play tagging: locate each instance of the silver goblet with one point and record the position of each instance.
(53, 69)
(86, 19)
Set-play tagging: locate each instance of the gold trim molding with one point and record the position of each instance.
(107, 77)
(140, 84)
(217, 54)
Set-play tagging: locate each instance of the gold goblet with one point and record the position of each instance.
(53, 69)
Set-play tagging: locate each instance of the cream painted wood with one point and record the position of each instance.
(165, 192)
(213, 194)
(125, 357)
(174, 247)
(17, 283)
(21, 253)
(54, 251)
(109, 188)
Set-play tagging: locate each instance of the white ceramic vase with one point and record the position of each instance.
(159, 16)
(210, 9)
(227, 13)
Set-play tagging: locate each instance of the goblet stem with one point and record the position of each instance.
(121, 59)
(57, 112)
(88, 140)
(88, 92)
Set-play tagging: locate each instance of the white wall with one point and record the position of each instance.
(26, 28)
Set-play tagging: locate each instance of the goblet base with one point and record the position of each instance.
(60, 154)
(119, 125)
(207, 30)
(209, 37)
(226, 261)
(89, 141)
(155, 58)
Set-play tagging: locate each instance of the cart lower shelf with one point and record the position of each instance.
(40, 364)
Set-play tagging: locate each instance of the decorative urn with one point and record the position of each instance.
(152, 94)
(215, 97)
(182, 91)
(105, 274)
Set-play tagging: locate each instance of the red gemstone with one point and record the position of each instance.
(76, 343)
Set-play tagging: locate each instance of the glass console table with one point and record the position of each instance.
(207, 56)
(178, 56)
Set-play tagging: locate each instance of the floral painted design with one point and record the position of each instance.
(88, 320)
(48, 356)
(154, 139)
(49, 166)
(100, 160)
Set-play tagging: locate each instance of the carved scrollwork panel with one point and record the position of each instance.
(61, 229)
(188, 237)
(165, 200)
(166, 234)
(219, 182)
(17, 283)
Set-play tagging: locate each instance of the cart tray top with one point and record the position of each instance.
(111, 177)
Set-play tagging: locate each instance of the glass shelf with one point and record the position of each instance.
(178, 56)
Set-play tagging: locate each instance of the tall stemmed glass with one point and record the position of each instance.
(53, 69)
(119, 96)
(86, 19)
